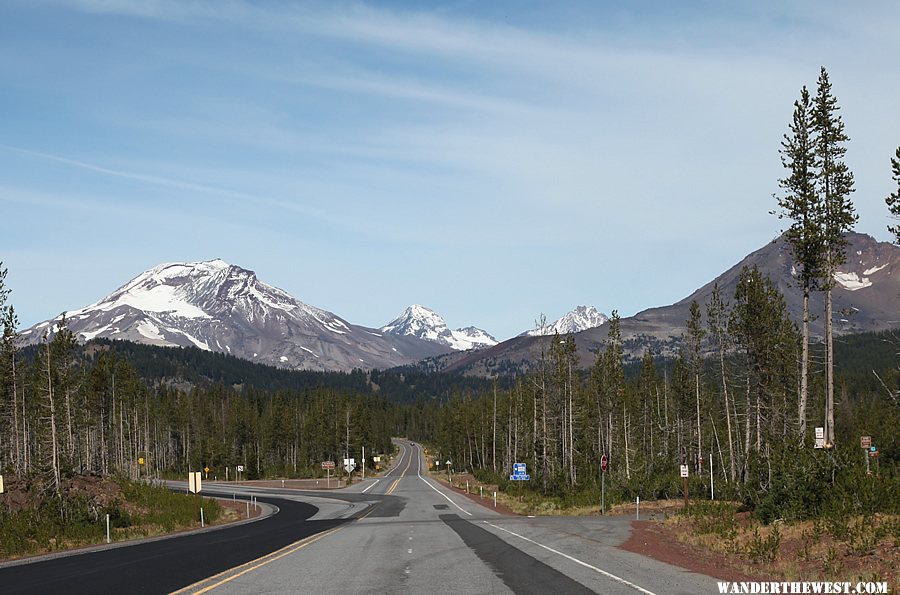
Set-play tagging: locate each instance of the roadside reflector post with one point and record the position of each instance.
(637, 514)
(467, 486)
(495, 499)
(481, 492)
(107, 528)
(248, 509)
(202, 520)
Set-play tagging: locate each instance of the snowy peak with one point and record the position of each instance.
(221, 307)
(424, 323)
(580, 319)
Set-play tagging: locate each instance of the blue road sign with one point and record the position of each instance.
(519, 473)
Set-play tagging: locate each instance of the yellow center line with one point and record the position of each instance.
(277, 554)
(262, 561)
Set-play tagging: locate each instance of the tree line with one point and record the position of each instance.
(736, 404)
(72, 410)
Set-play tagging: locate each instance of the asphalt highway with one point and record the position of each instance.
(399, 533)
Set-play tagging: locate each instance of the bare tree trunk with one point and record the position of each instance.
(699, 431)
(727, 411)
(494, 439)
(804, 364)
(625, 429)
(54, 454)
(829, 369)
(15, 399)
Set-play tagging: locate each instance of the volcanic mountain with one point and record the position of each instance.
(424, 323)
(221, 307)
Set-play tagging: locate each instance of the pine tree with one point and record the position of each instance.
(834, 182)
(696, 333)
(893, 200)
(800, 204)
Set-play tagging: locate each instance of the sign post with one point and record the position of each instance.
(604, 463)
(449, 475)
(328, 466)
(240, 469)
(684, 475)
(865, 443)
(820, 437)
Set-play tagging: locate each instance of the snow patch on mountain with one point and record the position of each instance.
(424, 323)
(580, 319)
(220, 307)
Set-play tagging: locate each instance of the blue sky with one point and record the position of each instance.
(491, 160)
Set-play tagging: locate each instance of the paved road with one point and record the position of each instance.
(417, 537)
(401, 533)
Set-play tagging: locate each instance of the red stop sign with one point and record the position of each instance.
(603, 463)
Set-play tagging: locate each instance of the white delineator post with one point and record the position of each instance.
(107, 528)
(637, 514)
(202, 520)
(495, 499)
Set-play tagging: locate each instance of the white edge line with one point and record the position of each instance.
(370, 486)
(446, 497)
(400, 460)
(576, 560)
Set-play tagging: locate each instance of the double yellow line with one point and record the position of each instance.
(248, 567)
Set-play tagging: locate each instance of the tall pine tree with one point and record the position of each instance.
(834, 184)
(800, 205)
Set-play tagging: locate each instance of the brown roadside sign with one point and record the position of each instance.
(865, 441)
(327, 464)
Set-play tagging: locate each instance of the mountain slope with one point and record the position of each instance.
(424, 323)
(221, 307)
(866, 298)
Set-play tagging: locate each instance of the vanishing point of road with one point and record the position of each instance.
(399, 533)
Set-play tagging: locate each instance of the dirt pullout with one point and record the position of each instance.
(649, 538)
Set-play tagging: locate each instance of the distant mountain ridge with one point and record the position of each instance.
(221, 307)
(580, 319)
(866, 298)
(424, 323)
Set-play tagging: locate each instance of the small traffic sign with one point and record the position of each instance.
(604, 463)
(820, 432)
(865, 441)
(140, 460)
(240, 468)
(519, 473)
(206, 469)
(684, 470)
(327, 464)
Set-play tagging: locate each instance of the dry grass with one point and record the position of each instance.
(810, 550)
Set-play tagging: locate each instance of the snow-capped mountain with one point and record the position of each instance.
(221, 307)
(424, 323)
(579, 319)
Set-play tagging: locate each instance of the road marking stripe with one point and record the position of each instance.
(371, 486)
(428, 483)
(576, 560)
(259, 563)
(397, 466)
